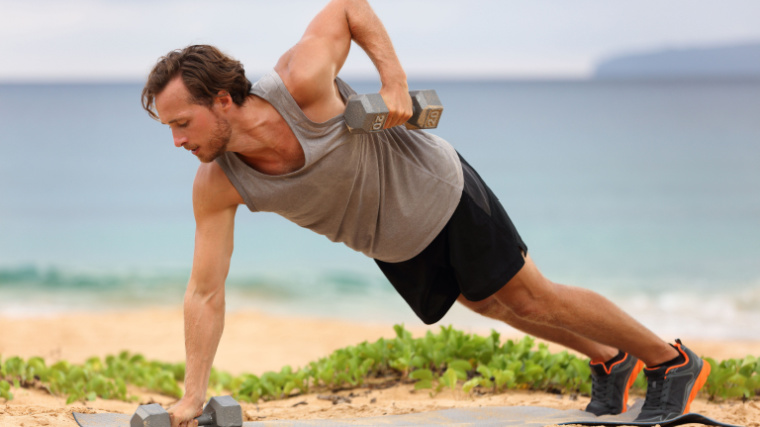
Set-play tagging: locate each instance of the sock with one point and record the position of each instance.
(675, 361)
(620, 356)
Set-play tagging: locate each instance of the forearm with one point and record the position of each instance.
(204, 323)
(369, 32)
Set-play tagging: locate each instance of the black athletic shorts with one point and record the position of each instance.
(476, 254)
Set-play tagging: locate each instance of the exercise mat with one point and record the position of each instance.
(530, 416)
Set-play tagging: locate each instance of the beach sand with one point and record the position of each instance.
(256, 343)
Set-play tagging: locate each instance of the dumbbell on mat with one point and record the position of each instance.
(223, 411)
(367, 113)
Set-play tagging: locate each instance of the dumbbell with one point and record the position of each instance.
(222, 411)
(367, 113)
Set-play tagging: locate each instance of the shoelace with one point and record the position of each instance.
(656, 391)
(602, 388)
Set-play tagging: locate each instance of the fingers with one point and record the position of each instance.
(183, 414)
(179, 422)
(397, 116)
(399, 105)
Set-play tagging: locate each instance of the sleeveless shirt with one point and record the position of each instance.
(386, 194)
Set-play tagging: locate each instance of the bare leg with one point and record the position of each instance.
(492, 308)
(597, 326)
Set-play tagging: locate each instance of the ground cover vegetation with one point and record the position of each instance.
(447, 359)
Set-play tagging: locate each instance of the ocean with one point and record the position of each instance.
(645, 191)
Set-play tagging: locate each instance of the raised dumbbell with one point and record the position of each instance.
(367, 113)
(222, 411)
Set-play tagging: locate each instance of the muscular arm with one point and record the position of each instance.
(214, 203)
(310, 67)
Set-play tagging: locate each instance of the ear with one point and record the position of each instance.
(223, 100)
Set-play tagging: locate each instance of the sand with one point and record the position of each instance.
(256, 343)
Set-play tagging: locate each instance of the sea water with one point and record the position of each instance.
(647, 192)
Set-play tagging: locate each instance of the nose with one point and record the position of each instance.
(179, 140)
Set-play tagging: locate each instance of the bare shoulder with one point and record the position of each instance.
(213, 191)
(309, 68)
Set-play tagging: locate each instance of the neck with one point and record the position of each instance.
(263, 139)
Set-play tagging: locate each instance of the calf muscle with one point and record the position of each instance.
(534, 300)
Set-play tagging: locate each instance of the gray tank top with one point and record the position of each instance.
(386, 194)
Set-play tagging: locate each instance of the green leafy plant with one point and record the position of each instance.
(5, 390)
(734, 378)
(449, 359)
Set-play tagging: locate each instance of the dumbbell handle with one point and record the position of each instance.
(205, 420)
(368, 112)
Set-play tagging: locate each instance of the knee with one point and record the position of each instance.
(536, 302)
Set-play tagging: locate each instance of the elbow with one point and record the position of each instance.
(356, 13)
(204, 296)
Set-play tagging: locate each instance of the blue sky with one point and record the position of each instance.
(103, 40)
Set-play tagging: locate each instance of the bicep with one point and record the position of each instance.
(215, 203)
(214, 235)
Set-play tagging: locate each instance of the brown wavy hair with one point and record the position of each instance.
(205, 71)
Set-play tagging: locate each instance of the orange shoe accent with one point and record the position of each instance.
(677, 346)
(701, 380)
(608, 369)
(704, 373)
(632, 379)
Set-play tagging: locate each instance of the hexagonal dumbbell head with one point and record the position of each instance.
(224, 411)
(427, 109)
(365, 113)
(152, 415)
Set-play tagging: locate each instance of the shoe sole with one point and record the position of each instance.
(632, 379)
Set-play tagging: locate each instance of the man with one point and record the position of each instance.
(403, 197)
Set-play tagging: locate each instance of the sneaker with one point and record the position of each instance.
(610, 385)
(670, 389)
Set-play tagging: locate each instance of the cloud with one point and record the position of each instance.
(111, 39)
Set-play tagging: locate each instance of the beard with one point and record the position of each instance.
(218, 142)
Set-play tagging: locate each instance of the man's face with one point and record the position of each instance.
(194, 127)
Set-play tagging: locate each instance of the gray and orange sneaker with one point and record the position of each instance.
(610, 385)
(670, 389)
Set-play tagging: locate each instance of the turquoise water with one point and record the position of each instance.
(648, 192)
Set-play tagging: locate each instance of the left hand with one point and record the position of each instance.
(183, 413)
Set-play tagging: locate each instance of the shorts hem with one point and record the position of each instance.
(504, 279)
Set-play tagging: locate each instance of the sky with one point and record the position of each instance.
(119, 40)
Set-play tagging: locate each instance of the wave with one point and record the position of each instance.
(32, 290)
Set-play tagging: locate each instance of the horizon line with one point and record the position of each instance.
(426, 78)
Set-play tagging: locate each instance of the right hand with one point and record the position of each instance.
(183, 413)
(399, 104)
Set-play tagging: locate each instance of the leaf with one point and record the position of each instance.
(449, 378)
(289, 386)
(401, 333)
(470, 384)
(421, 374)
(485, 371)
(72, 398)
(460, 365)
(504, 378)
(5, 390)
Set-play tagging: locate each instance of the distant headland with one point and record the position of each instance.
(738, 61)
